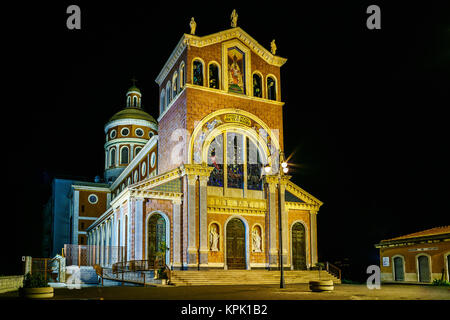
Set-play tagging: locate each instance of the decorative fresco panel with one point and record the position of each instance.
(236, 73)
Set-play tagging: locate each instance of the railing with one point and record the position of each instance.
(134, 270)
(88, 255)
(335, 271)
(49, 268)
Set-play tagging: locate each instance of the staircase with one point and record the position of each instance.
(246, 277)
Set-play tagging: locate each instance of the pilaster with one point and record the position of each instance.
(138, 228)
(176, 246)
(314, 254)
(203, 228)
(272, 221)
(192, 247)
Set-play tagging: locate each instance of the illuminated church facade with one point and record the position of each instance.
(204, 183)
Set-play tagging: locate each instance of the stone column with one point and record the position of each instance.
(75, 212)
(176, 232)
(138, 229)
(313, 231)
(272, 222)
(192, 260)
(203, 228)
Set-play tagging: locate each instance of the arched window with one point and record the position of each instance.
(254, 166)
(271, 88)
(235, 160)
(182, 75)
(197, 73)
(175, 85)
(215, 159)
(162, 102)
(124, 155)
(134, 101)
(136, 151)
(257, 85)
(112, 157)
(213, 76)
(168, 95)
(128, 101)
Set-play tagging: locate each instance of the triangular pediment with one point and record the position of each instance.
(302, 196)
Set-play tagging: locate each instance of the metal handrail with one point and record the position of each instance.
(331, 268)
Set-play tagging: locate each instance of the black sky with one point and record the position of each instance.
(364, 113)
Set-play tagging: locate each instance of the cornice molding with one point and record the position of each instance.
(124, 122)
(301, 206)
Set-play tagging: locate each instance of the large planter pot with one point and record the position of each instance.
(321, 285)
(37, 293)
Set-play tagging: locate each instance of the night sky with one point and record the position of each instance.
(364, 114)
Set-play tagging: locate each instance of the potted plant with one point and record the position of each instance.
(36, 287)
(321, 285)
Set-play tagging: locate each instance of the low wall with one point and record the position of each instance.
(10, 283)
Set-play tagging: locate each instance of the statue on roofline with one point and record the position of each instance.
(234, 17)
(193, 25)
(273, 47)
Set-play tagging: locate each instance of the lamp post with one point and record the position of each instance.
(281, 172)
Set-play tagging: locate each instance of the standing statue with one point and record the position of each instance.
(234, 17)
(193, 25)
(273, 47)
(256, 241)
(213, 239)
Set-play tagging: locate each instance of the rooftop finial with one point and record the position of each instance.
(193, 25)
(134, 81)
(234, 17)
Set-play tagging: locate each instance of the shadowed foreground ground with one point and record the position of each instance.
(263, 292)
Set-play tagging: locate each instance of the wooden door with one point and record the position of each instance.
(424, 269)
(235, 244)
(298, 247)
(398, 269)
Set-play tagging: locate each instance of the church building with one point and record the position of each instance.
(205, 185)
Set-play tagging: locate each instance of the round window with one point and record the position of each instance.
(139, 132)
(136, 176)
(93, 199)
(113, 134)
(143, 168)
(124, 131)
(153, 160)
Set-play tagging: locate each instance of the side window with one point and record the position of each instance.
(197, 73)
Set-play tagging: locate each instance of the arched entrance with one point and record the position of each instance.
(235, 244)
(298, 246)
(424, 269)
(398, 269)
(156, 238)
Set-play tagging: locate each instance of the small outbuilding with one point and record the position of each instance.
(418, 257)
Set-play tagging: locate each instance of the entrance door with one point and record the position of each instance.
(235, 244)
(156, 238)
(298, 247)
(424, 269)
(448, 267)
(398, 269)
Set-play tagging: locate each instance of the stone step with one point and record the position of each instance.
(242, 277)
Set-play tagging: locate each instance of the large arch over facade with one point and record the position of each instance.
(233, 119)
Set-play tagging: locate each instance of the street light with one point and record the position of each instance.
(280, 174)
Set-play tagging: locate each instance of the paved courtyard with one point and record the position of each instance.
(253, 292)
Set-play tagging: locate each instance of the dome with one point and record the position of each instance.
(134, 88)
(132, 113)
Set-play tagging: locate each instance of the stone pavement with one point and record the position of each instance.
(247, 292)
